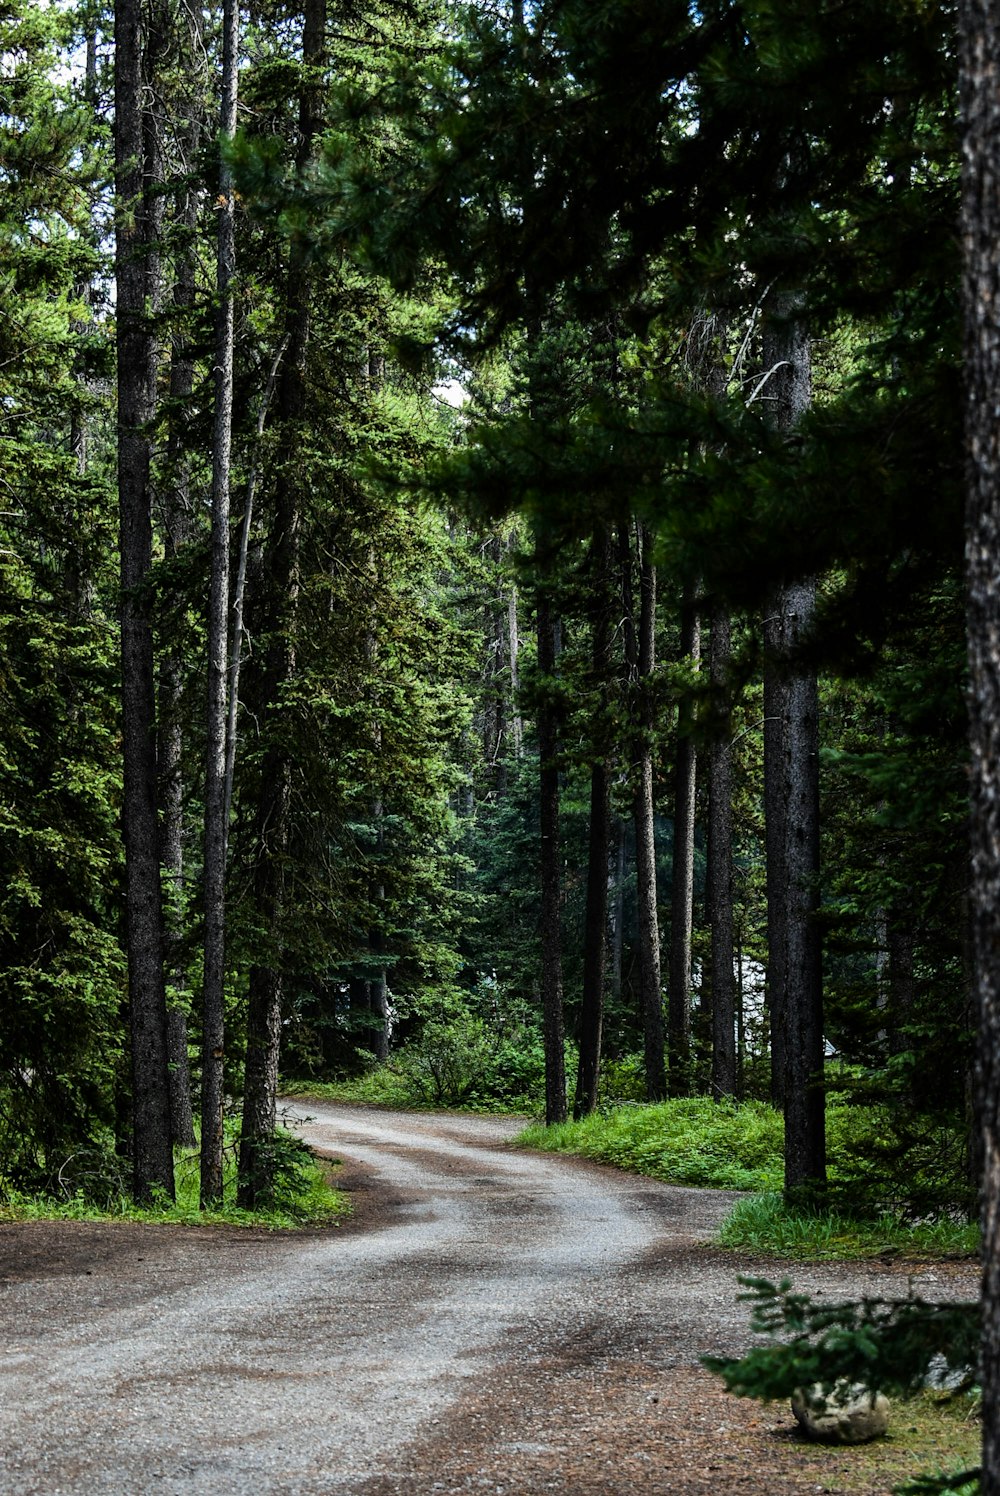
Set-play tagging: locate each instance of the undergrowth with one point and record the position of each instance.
(764, 1223)
(93, 1186)
(725, 1145)
(694, 1141)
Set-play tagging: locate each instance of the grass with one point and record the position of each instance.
(382, 1086)
(764, 1223)
(304, 1196)
(692, 1141)
(740, 1147)
(928, 1435)
(389, 1087)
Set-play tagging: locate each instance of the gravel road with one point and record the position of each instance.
(492, 1321)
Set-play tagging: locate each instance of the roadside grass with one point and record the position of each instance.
(692, 1141)
(764, 1223)
(929, 1436)
(304, 1195)
(725, 1145)
(395, 1087)
(384, 1086)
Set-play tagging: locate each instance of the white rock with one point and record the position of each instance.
(846, 1414)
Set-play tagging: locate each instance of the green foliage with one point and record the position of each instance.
(692, 1141)
(958, 1483)
(732, 1145)
(479, 1053)
(95, 1185)
(888, 1345)
(885, 1344)
(764, 1223)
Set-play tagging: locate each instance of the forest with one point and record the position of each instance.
(484, 507)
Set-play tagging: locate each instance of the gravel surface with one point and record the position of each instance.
(491, 1321)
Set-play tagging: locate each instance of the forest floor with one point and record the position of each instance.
(489, 1320)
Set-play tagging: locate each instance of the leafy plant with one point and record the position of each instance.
(885, 1344)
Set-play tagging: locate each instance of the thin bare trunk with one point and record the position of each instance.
(239, 593)
(551, 898)
(719, 894)
(516, 720)
(213, 992)
(682, 885)
(645, 842)
(595, 938)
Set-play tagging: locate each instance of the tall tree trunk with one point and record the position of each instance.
(176, 528)
(805, 1142)
(514, 646)
(549, 859)
(682, 887)
(645, 843)
(595, 939)
(980, 98)
(796, 882)
(272, 832)
(616, 899)
(720, 869)
(378, 986)
(216, 830)
(152, 1152)
(775, 714)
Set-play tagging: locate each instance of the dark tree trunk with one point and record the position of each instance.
(272, 833)
(719, 896)
(805, 1142)
(682, 886)
(176, 525)
(595, 940)
(378, 987)
(796, 882)
(645, 843)
(152, 1152)
(171, 796)
(514, 648)
(616, 896)
(980, 98)
(775, 713)
(549, 923)
(216, 830)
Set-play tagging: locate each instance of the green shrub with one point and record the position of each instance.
(94, 1187)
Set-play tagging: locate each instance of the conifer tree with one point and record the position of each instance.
(135, 152)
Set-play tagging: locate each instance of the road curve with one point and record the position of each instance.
(185, 1362)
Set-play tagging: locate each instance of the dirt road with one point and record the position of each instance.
(492, 1321)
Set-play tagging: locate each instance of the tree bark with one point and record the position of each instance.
(645, 842)
(805, 1142)
(682, 886)
(273, 828)
(616, 898)
(152, 1152)
(595, 940)
(795, 883)
(720, 869)
(549, 858)
(513, 638)
(979, 25)
(216, 830)
(775, 714)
